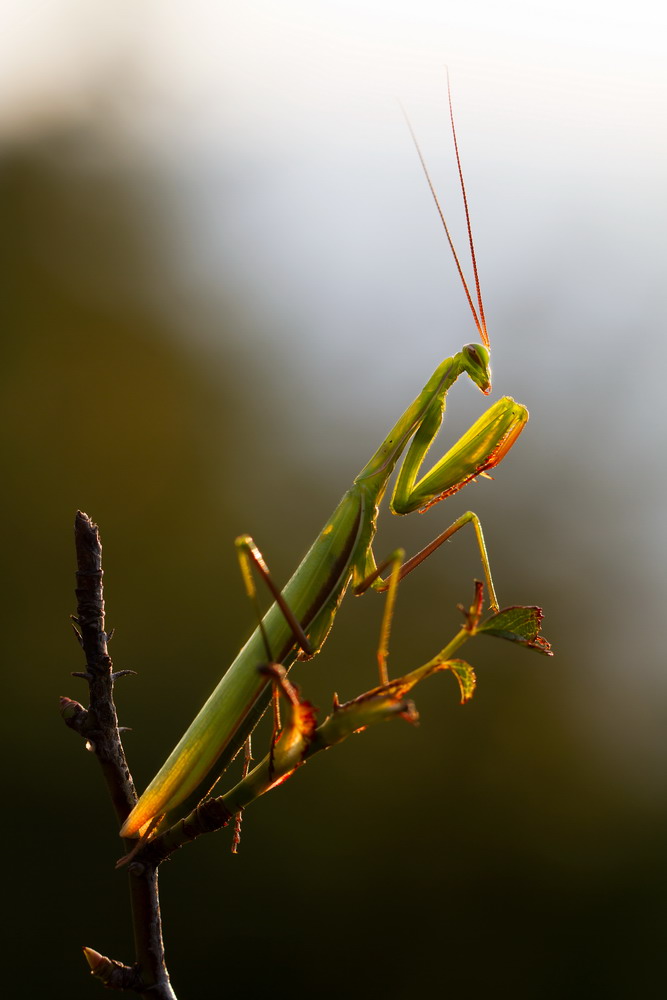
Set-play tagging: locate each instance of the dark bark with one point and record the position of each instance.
(98, 725)
(208, 816)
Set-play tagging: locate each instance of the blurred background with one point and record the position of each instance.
(225, 279)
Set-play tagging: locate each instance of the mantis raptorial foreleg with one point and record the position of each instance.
(480, 448)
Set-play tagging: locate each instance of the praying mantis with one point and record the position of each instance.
(298, 623)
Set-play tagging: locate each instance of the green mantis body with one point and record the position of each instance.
(341, 555)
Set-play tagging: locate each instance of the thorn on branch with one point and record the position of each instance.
(123, 673)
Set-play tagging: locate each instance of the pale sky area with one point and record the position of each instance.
(292, 108)
(588, 57)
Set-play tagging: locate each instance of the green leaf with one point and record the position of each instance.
(518, 624)
(465, 675)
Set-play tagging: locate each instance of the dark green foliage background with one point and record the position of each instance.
(511, 848)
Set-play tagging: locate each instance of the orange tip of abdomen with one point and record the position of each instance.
(137, 822)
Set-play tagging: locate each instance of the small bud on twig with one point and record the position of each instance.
(113, 974)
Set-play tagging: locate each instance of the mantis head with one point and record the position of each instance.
(476, 362)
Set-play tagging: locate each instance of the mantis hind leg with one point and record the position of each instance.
(249, 555)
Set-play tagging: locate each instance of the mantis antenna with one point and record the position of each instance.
(480, 319)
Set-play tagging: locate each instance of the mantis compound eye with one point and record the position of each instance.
(477, 354)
